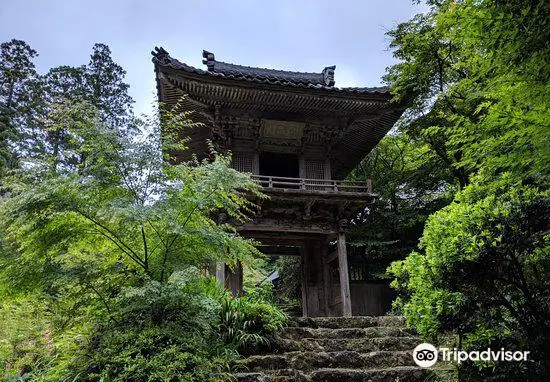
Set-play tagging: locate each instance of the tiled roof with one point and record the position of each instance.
(321, 81)
(325, 78)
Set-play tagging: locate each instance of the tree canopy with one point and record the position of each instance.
(476, 74)
(111, 242)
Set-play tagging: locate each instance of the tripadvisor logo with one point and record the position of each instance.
(426, 355)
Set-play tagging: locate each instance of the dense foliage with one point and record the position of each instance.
(187, 329)
(19, 84)
(107, 249)
(411, 183)
(476, 74)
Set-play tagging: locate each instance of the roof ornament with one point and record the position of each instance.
(210, 60)
(161, 56)
(328, 75)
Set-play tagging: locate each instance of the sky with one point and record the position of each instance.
(298, 35)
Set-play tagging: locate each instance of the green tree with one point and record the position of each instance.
(30, 103)
(154, 215)
(482, 272)
(19, 84)
(410, 183)
(100, 83)
(124, 219)
(110, 245)
(476, 73)
(106, 87)
(63, 86)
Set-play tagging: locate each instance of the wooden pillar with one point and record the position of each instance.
(328, 170)
(302, 166)
(344, 275)
(256, 163)
(232, 280)
(318, 256)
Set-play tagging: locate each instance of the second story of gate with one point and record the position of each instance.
(293, 131)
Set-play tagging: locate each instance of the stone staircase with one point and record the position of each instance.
(338, 349)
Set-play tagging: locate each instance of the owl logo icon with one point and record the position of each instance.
(425, 355)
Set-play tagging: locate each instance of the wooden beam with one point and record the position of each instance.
(277, 238)
(344, 275)
(266, 228)
(279, 250)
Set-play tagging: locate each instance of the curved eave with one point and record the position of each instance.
(293, 101)
(358, 140)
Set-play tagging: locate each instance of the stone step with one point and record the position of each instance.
(309, 360)
(337, 349)
(349, 322)
(361, 345)
(281, 375)
(296, 333)
(399, 373)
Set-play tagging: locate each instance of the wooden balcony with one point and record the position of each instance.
(323, 186)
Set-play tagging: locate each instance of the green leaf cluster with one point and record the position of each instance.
(476, 75)
(111, 251)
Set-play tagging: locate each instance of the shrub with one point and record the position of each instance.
(250, 323)
(483, 274)
(187, 329)
(160, 332)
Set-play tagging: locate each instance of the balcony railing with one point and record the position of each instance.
(327, 185)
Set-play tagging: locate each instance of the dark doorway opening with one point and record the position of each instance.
(276, 164)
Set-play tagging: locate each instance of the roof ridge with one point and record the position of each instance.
(162, 58)
(258, 67)
(325, 77)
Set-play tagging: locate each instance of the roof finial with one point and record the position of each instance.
(161, 56)
(328, 74)
(210, 60)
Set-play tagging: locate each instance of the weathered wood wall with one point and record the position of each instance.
(369, 299)
(313, 269)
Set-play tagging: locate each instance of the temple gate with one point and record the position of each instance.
(299, 136)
